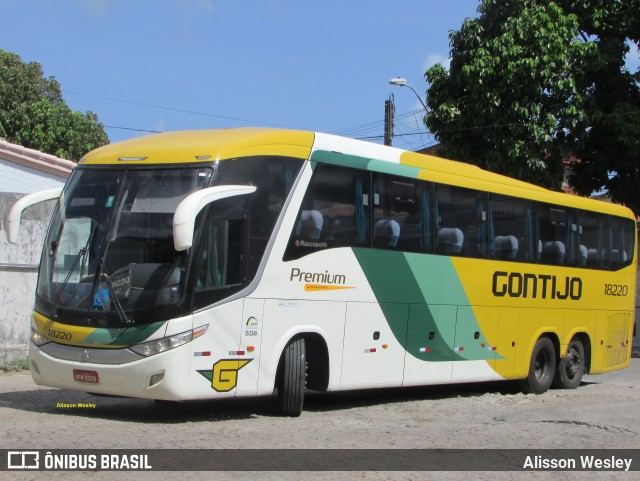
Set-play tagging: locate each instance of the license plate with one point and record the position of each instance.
(81, 375)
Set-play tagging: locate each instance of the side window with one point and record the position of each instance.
(557, 235)
(594, 240)
(334, 212)
(402, 217)
(511, 229)
(273, 178)
(622, 240)
(221, 270)
(461, 221)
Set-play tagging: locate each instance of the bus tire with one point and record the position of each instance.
(292, 381)
(570, 370)
(542, 368)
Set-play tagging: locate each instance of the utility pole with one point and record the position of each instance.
(389, 112)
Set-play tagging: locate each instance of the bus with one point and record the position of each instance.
(245, 262)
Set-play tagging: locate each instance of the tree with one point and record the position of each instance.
(34, 114)
(532, 81)
(607, 140)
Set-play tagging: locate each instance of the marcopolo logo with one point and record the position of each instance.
(540, 286)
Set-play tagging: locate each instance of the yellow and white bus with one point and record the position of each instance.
(210, 264)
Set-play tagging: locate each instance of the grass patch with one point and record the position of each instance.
(15, 365)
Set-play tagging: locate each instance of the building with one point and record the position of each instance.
(23, 171)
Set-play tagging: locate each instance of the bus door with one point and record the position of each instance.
(374, 339)
(430, 338)
(475, 340)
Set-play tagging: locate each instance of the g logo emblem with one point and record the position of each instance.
(224, 375)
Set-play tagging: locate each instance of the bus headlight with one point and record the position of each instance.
(37, 338)
(157, 346)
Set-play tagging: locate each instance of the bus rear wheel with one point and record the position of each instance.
(292, 380)
(570, 369)
(542, 367)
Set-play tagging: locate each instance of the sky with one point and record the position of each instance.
(163, 65)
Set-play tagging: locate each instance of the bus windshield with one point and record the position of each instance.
(110, 243)
(109, 257)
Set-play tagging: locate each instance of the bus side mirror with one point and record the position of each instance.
(185, 217)
(13, 220)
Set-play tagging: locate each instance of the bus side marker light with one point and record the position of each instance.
(236, 353)
(385, 346)
(251, 348)
(202, 354)
(458, 349)
(425, 349)
(373, 349)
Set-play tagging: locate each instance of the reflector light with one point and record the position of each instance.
(202, 354)
(425, 349)
(373, 349)
(199, 331)
(385, 346)
(131, 158)
(251, 348)
(236, 353)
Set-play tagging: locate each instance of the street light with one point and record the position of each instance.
(402, 82)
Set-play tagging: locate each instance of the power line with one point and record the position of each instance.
(131, 128)
(173, 109)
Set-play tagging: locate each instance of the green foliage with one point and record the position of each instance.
(33, 113)
(532, 81)
(15, 365)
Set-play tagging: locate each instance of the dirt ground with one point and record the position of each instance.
(603, 413)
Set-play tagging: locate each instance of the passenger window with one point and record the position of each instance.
(334, 212)
(621, 239)
(594, 240)
(511, 229)
(402, 217)
(461, 221)
(557, 235)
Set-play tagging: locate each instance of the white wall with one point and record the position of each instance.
(19, 262)
(16, 178)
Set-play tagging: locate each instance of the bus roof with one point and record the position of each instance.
(210, 145)
(190, 146)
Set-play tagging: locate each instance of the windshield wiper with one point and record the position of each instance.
(80, 255)
(102, 275)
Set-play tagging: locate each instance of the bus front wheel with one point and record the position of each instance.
(570, 369)
(542, 367)
(292, 380)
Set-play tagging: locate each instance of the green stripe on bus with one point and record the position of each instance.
(430, 286)
(364, 163)
(128, 336)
